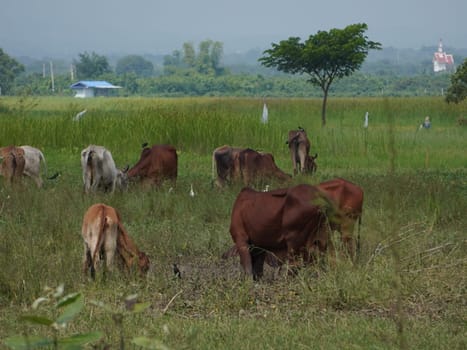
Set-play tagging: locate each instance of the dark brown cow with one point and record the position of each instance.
(225, 165)
(156, 164)
(12, 163)
(299, 147)
(291, 220)
(257, 167)
(347, 197)
(105, 236)
(347, 200)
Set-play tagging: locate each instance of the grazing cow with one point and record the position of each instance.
(290, 222)
(299, 147)
(12, 163)
(225, 165)
(347, 198)
(99, 170)
(32, 168)
(256, 166)
(156, 164)
(105, 237)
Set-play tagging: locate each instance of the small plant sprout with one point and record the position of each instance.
(65, 310)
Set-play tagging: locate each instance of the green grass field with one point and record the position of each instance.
(408, 289)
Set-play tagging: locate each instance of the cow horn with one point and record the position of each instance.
(144, 144)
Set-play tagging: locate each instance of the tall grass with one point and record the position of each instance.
(407, 290)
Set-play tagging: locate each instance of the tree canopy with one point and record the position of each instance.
(91, 66)
(324, 57)
(207, 61)
(9, 70)
(134, 64)
(457, 91)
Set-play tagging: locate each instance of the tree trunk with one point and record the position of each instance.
(323, 107)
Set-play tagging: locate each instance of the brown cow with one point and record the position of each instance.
(299, 147)
(348, 199)
(291, 220)
(225, 165)
(13, 163)
(156, 164)
(105, 236)
(256, 166)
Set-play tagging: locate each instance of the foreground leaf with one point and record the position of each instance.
(71, 310)
(139, 307)
(67, 299)
(20, 342)
(78, 340)
(37, 320)
(149, 343)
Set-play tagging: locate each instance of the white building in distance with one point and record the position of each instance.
(441, 60)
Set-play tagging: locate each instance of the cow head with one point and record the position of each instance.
(143, 262)
(122, 178)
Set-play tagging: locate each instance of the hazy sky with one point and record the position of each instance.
(65, 27)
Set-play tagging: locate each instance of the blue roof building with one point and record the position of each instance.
(92, 88)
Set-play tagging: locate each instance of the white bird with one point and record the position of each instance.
(192, 193)
(264, 117)
(365, 123)
(170, 190)
(79, 115)
(266, 189)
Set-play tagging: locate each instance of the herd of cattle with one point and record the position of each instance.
(285, 225)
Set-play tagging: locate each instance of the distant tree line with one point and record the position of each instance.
(200, 71)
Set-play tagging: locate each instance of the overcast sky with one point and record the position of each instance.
(67, 27)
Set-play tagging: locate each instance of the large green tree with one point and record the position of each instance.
(91, 66)
(457, 91)
(9, 70)
(134, 64)
(325, 56)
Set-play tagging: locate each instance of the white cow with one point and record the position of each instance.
(99, 170)
(32, 168)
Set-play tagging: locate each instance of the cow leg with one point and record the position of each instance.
(87, 262)
(245, 258)
(293, 155)
(257, 257)
(38, 181)
(302, 156)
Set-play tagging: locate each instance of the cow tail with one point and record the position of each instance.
(89, 163)
(358, 234)
(13, 163)
(41, 155)
(214, 168)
